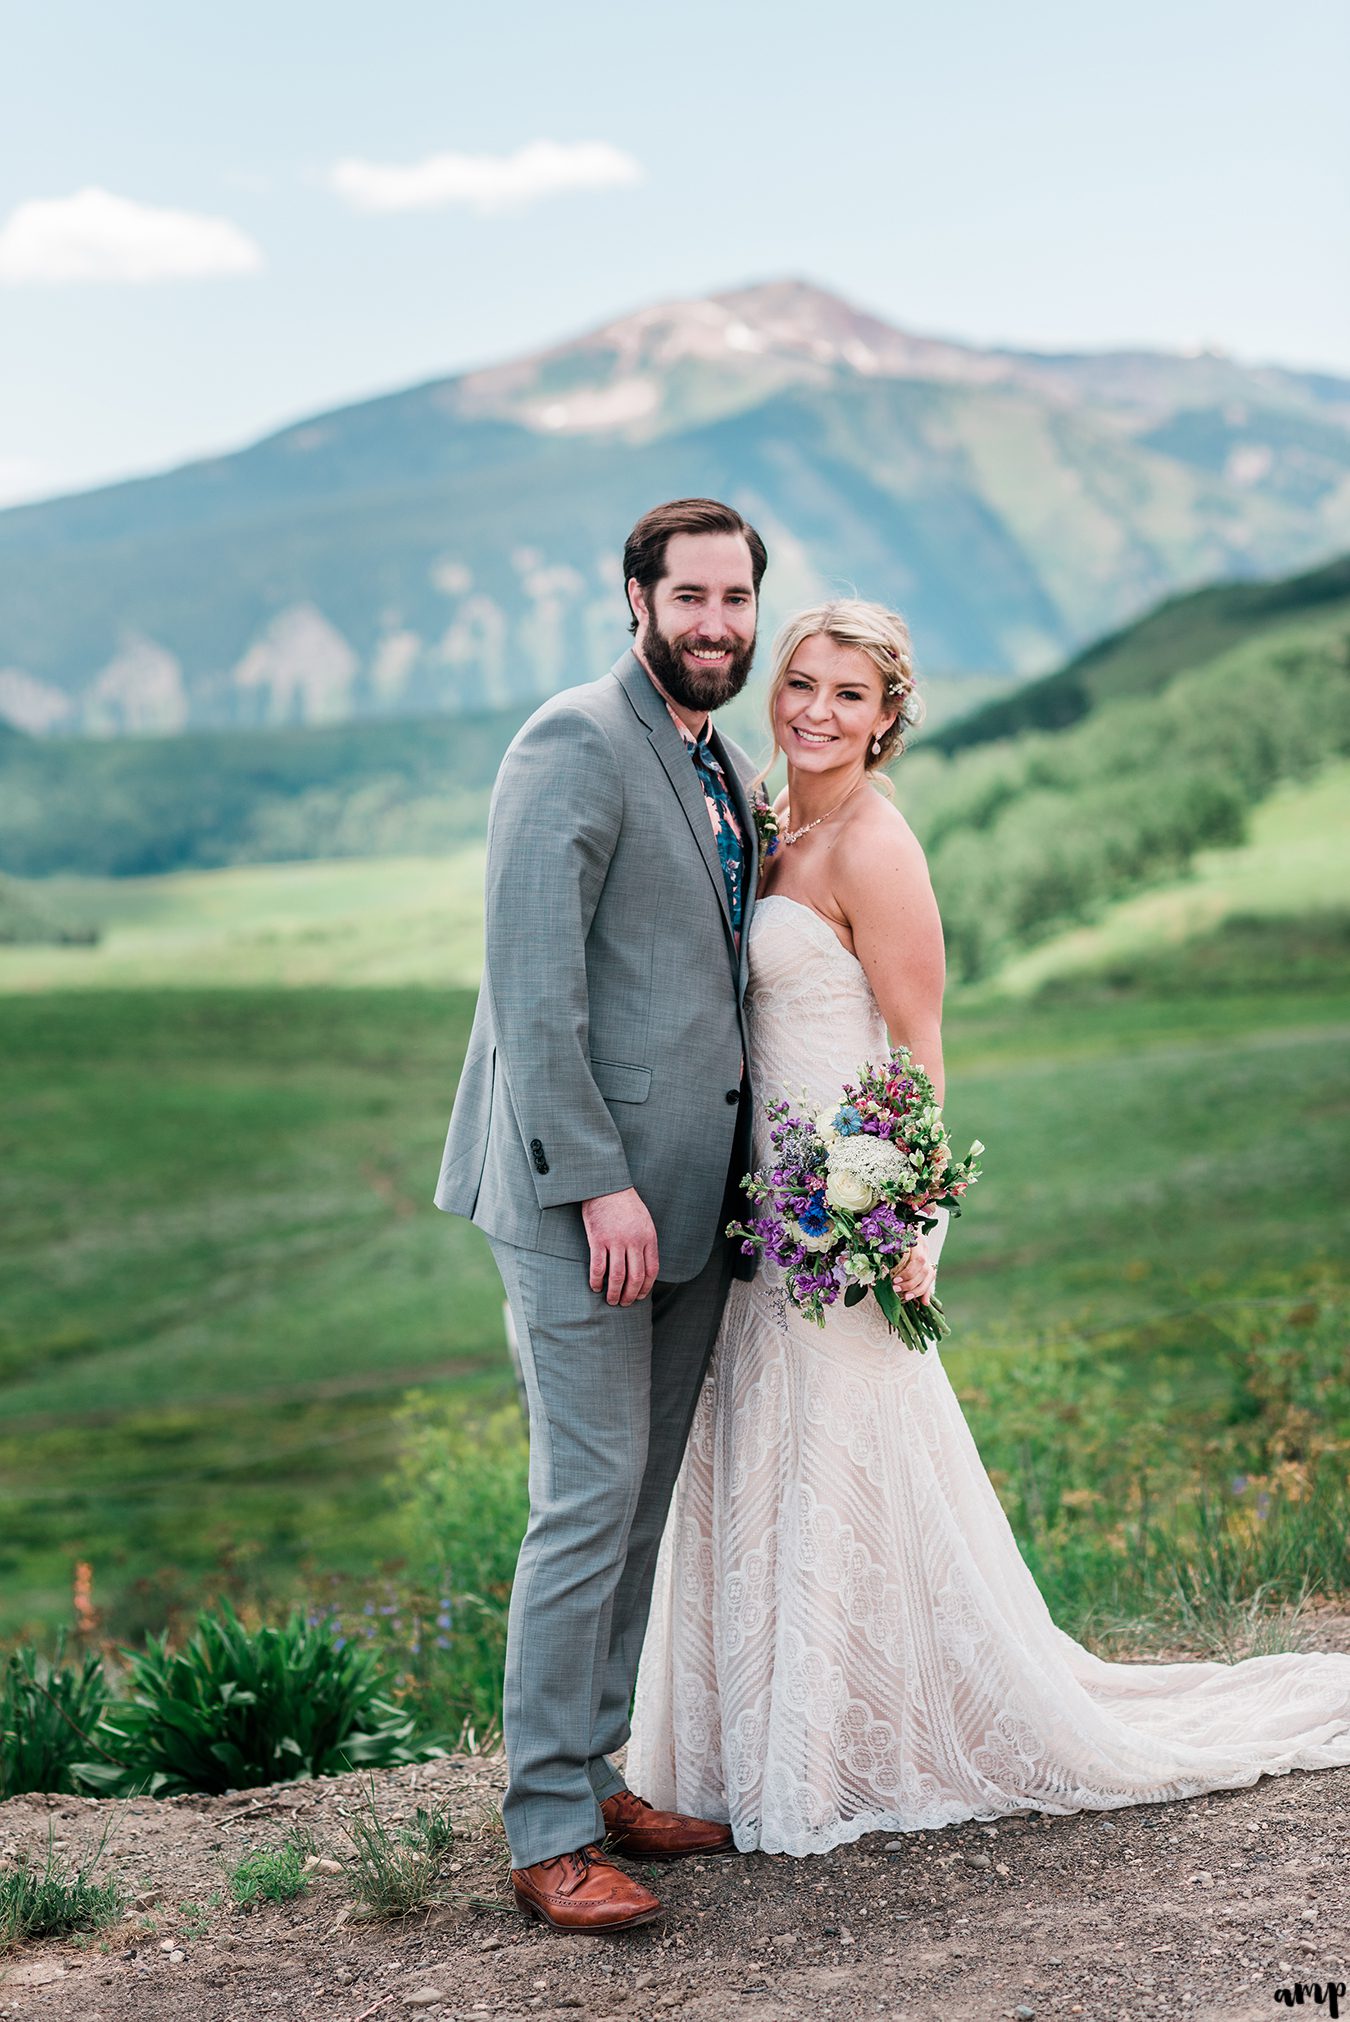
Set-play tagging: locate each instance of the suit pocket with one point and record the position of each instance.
(617, 1081)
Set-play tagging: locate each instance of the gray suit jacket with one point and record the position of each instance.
(608, 1046)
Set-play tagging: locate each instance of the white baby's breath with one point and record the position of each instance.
(874, 1160)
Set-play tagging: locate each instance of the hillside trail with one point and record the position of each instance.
(1216, 1907)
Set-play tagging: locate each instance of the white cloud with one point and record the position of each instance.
(485, 182)
(96, 236)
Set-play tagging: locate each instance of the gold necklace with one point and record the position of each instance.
(793, 835)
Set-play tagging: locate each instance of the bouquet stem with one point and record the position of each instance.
(914, 1322)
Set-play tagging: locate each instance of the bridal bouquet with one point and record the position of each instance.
(850, 1191)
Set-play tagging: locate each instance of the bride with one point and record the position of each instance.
(843, 1637)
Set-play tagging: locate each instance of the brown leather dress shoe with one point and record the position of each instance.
(637, 1829)
(583, 1892)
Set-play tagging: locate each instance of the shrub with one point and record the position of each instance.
(237, 1707)
(52, 1901)
(49, 1716)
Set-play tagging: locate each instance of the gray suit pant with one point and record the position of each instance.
(611, 1391)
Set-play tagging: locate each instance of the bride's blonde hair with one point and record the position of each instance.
(868, 628)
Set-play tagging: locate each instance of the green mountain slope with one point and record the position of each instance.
(1181, 633)
(454, 547)
(1043, 829)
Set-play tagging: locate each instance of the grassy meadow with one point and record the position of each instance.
(222, 1274)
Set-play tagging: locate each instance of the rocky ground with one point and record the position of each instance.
(1198, 1909)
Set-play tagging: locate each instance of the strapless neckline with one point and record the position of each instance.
(826, 932)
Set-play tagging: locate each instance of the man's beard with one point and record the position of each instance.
(690, 685)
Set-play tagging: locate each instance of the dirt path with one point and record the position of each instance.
(1199, 1909)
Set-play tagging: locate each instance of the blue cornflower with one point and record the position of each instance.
(814, 1219)
(847, 1121)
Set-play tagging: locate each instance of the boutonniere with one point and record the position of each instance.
(766, 822)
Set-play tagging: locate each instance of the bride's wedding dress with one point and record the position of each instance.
(844, 1637)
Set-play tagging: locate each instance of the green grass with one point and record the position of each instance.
(221, 1269)
(393, 1871)
(55, 1900)
(273, 1874)
(351, 922)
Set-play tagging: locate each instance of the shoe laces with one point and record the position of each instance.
(579, 1864)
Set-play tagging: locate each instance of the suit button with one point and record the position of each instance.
(537, 1153)
(733, 1095)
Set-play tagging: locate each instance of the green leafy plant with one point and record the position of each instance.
(273, 1874)
(237, 1707)
(55, 1900)
(49, 1719)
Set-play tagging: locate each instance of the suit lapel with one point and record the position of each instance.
(673, 753)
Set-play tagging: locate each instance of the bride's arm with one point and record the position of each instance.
(883, 888)
(881, 883)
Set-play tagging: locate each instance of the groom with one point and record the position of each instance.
(601, 1124)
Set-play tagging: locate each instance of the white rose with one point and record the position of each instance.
(812, 1242)
(824, 1125)
(845, 1190)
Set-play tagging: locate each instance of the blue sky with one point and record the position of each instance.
(1048, 174)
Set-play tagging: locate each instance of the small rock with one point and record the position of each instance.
(325, 1866)
(176, 1957)
(894, 1846)
(492, 1944)
(826, 1931)
(166, 1944)
(845, 1935)
(1025, 2014)
(1308, 1916)
(1201, 1880)
(146, 1899)
(784, 1939)
(645, 1980)
(344, 1976)
(569, 2001)
(1002, 1868)
(978, 1861)
(424, 1997)
(1054, 1962)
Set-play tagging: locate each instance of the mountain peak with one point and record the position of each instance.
(778, 332)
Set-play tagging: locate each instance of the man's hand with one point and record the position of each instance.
(916, 1277)
(622, 1236)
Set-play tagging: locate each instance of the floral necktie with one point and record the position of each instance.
(730, 853)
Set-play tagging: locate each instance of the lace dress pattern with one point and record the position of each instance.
(844, 1637)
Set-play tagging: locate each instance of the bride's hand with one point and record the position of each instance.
(916, 1277)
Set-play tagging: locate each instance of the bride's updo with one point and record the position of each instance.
(871, 629)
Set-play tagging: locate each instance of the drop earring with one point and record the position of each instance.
(876, 747)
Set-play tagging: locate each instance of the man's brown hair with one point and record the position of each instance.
(644, 552)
